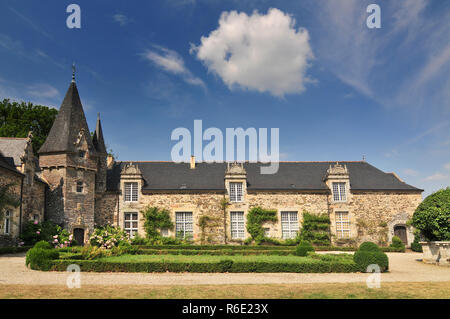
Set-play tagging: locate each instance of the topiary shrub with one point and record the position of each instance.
(432, 216)
(365, 258)
(43, 245)
(397, 243)
(369, 246)
(39, 258)
(303, 248)
(415, 246)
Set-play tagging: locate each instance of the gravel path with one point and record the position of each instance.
(404, 267)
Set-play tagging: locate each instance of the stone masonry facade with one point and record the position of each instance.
(80, 187)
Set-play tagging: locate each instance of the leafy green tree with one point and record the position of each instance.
(432, 216)
(17, 119)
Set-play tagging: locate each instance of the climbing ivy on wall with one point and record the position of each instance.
(255, 218)
(316, 229)
(155, 220)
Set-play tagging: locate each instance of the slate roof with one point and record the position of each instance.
(97, 139)
(296, 176)
(67, 125)
(4, 163)
(12, 149)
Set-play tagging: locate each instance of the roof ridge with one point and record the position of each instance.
(244, 162)
(13, 138)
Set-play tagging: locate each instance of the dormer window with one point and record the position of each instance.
(339, 194)
(236, 192)
(131, 192)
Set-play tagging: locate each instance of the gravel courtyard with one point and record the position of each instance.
(404, 267)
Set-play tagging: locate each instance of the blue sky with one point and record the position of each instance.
(336, 89)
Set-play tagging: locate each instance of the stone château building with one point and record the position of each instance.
(86, 187)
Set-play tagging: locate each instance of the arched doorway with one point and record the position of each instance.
(400, 231)
(78, 234)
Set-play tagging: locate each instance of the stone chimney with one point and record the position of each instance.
(192, 162)
(110, 161)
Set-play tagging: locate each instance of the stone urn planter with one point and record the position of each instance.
(436, 252)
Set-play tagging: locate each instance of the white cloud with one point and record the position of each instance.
(447, 166)
(121, 19)
(262, 52)
(410, 172)
(437, 177)
(172, 62)
(42, 90)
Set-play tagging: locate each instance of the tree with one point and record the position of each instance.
(17, 119)
(7, 199)
(432, 216)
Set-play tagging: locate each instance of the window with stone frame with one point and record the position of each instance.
(235, 192)
(339, 192)
(79, 187)
(7, 223)
(184, 227)
(131, 224)
(164, 232)
(131, 192)
(289, 225)
(342, 225)
(237, 225)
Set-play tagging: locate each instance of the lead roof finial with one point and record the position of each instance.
(73, 72)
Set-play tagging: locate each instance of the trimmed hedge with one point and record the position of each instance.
(43, 245)
(229, 252)
(252, 248)
(215, 247)
(40, 258)
(365, 258)
(303, 248)
(415, 246)
(225, 265)
(397, 243)
(13, 250)
(369, 246)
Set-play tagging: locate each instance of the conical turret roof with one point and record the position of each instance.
(97, 139)
(68, 124)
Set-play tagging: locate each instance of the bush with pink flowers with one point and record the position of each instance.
(108, 237)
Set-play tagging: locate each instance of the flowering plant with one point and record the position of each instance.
(108, 237)
(62, 238)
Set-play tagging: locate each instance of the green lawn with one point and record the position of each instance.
(213, 259)
(205, 263)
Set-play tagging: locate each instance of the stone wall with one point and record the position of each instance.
(106, 209)
(372, 214)
(8, 177)
(200, 204)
